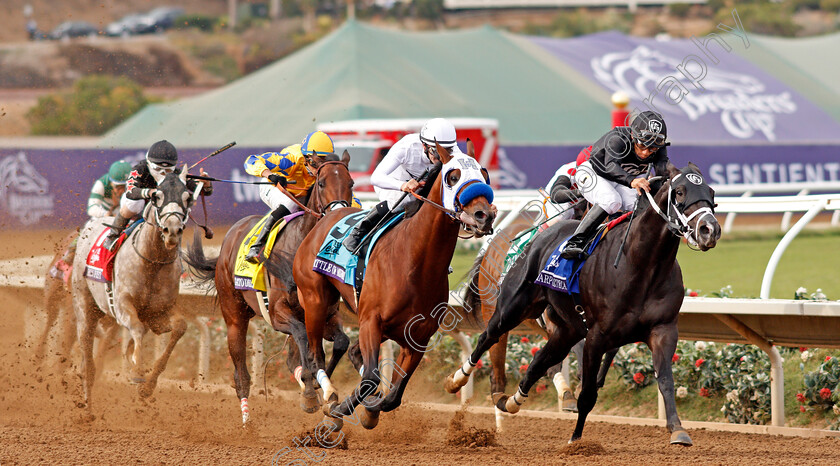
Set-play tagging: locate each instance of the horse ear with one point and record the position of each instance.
(693, 167)
(672, 170)
(183, 175)
(345, 157)
(470, 148)
(444, 155)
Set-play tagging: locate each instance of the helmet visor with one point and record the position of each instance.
(650, 139)
(161, 168)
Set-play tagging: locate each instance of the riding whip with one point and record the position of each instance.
(629, 224)
(217, 152)
(209, 178)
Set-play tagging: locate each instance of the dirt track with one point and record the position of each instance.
(40, 423)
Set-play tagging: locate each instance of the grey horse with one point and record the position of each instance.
(145, 283)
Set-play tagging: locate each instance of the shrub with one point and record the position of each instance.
(766, 18)
(634, 365)
(201, 22)
(679, 10)
(96, 104)
(820, 387)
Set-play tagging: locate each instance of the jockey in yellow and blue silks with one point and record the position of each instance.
(291, 163)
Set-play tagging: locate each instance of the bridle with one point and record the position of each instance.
(679, 223)
(182, 216)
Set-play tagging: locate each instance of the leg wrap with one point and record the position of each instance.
(246, 411)
(325, 383)
(462, 375)
(298, 372)
(515, 402)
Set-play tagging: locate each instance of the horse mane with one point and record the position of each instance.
(472, 300)
(412, 207)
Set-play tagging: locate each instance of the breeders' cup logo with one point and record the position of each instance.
(746, 110)
(655, 126)
(24, 193)
(695, 178)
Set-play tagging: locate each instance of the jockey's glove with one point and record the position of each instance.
(277, 179)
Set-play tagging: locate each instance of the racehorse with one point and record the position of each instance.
(333, 187)
(146, 282)
(636, 299)
(405, 281)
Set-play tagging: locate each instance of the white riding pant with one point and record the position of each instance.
(274, 198)
(135, 206)
(392, 196)
(609, 195)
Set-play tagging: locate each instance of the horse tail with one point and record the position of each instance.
(472, 300)
(202, 269)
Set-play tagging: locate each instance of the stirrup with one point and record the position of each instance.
(110, 242)
(253, 255)
(352, 242)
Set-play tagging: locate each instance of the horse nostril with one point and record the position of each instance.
(704, 230)
(480, 215)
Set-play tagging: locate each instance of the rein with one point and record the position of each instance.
(152, 261)
(317, 194)
(679, 226)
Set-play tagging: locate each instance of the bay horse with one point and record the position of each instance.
(404, 297)
(333, 187)
(145, 286)
(481, 295)
(636, 300)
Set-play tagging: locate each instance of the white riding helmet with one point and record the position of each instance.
(440, 130)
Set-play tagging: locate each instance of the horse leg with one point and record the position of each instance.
(592, 354)
(341, 342)
(86, 320)
(554, 351)
(309, 401)
(605, 366)
(137, 331)
(106, 342)
(370, 339)
(559, 376)
(178, 329)
(52, 298)
(507, 316)
(498, 378)
(355, 355)
(663, 343)
(407, 362)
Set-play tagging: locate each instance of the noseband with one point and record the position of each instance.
(678, 223)
(317, 193)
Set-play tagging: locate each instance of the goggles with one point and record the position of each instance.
(162, 168)
(649, 139)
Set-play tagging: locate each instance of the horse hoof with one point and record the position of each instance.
(496, 397)
(339, 422)
(310, 404)
(333, 398)
(145, 390)
(569, 403)
(680, 437)
(369, 419)
(331, 409)
(450, 386)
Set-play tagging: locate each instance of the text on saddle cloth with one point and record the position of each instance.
(250, 276)
(99, 265)
(336, 261)
(564, 274)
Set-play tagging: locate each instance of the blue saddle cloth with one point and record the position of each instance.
(563, 274)
(334, 260)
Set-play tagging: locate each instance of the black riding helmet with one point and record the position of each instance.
(162, 153)
(649, 130)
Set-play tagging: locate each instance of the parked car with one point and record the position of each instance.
(126, 26)
(162, 18)
(73, 29)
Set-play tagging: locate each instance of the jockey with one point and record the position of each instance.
(104, 199)
(161, 159)
(398, 171)
(609, 180)
(293, 162)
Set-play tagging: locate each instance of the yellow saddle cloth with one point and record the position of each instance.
(249, 276)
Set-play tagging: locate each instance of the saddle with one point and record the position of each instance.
(99, 264)
(564, 274)
(334, 260)
(250, 276)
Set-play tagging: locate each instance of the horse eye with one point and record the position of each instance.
(454, 177)
(321, 184)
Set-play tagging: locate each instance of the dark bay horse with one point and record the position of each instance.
(333, 187)
(145, 285)
(637, 300)
(404, 297)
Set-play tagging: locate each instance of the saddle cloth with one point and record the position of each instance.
(334, 260)
(99, 265)
(250, 276)
(564, 274)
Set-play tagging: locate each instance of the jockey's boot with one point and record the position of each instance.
(585, 230)
(119, 225)
(354, 239)
(254, 253)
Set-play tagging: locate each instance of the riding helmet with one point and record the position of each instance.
(317, 143)
(649, 130)
(438, 130)
(118, 173)
(162, 153)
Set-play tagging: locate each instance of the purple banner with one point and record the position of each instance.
(704, 87)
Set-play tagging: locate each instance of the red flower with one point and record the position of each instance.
(675, 357)
(704, 392)
(480, 364)
(693, 294)
(827, 358)
(534, 350)
(802, 349)
(699, 362)
(825, 393)
(639, 378)
(800, 398)
(612, 364)
(802, 409)
(524, 340)
(743, 358)
(523, 368)
(541, 388)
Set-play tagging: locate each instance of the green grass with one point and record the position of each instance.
(811, 261)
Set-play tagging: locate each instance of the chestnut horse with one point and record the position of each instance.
(333, 187)
(405, 283)
(638, 299)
